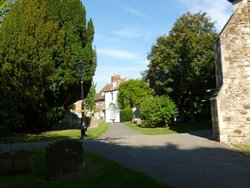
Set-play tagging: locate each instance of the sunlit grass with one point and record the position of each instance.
(178, 128)
(149, 131)
(244, 148)
(58, 134)
(96, 132)
(47, 136)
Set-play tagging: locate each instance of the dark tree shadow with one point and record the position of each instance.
(198, 166)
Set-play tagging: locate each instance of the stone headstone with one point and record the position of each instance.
(64, 159)
(18, 163)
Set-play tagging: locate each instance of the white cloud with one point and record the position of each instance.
(133, 33)
(124, 54)
(218, 10)
(133, 11)
(105, 38)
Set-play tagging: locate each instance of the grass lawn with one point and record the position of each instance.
(58, 134)
(244, 148)
(179, 128)
(100, 172)
(96, 132)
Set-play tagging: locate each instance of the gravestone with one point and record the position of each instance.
(15, 163)
(64, 159)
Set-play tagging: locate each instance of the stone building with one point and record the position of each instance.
(231, 103)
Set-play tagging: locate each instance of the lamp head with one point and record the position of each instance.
(80, 66)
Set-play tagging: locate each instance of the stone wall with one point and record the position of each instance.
(231, 105)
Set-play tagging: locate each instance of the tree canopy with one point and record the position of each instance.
(182, 63)
(4, 7)
(40, 43)
(90, 99)
(133, 92)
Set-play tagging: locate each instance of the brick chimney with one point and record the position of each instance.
(115, 78)
(235, 3)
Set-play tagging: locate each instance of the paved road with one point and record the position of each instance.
(183, 160)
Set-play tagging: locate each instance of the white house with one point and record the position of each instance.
(106, 100)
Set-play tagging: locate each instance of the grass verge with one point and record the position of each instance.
(46, 136)
(179, 128)
(97, 132)
(244, 148)
(99, 172)
(58, 134)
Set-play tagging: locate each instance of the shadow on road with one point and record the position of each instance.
(177, 166)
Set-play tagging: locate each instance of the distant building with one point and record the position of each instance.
(231, 103)
(106, 100)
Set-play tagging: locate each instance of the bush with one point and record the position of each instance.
(126, 114)
(158, 112)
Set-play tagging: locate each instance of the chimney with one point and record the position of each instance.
(115, 78)
(235, 3)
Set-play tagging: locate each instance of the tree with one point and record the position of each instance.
(133, 92)
(40, 43)
(4, 7)
(182, 64)
(90, 101)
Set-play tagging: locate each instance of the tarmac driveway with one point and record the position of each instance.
(181, 160)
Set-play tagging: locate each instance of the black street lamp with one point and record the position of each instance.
(79, 67)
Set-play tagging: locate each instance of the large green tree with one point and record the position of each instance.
(90, 99)
(182, 63)
(4, 7)
(40, 43)
(133, 93)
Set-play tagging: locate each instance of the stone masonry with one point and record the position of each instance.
(231, 103)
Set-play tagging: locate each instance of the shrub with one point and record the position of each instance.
(126, 114)
(158, 112)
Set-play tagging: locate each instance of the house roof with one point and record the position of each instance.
(100, 95)
(114, 85)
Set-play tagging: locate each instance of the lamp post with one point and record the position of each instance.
(79, 67)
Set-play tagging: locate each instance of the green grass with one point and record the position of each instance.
(179, 128)
(244, 148)
(58, 134)
(96, 132)
(46, 136)
(99, 172)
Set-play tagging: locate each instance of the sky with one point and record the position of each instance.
(125, 30)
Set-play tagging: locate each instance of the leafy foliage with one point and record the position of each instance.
(158, 112)
(182, 64)
(126, 114)
(90, 101)
(40, 43)
(4, 7)
(133, 92)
